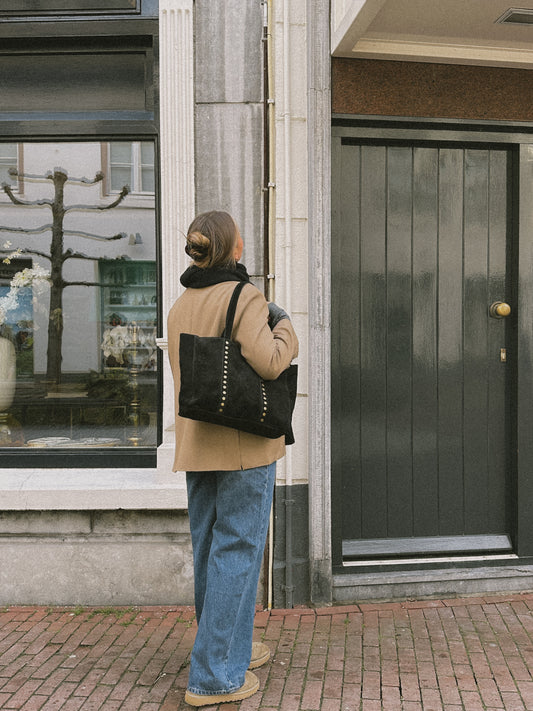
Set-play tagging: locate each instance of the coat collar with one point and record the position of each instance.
(196, 278)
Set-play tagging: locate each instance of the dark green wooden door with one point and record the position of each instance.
(420, 369)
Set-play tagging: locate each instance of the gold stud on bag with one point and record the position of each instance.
(263, 393)
(220, 387)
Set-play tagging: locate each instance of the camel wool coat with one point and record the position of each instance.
(202, 446)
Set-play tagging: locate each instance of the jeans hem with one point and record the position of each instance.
(199, 692)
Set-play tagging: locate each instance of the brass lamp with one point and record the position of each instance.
(135, 359)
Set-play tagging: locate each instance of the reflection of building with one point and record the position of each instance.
(397, 473)
(87, 233)
(76, 224)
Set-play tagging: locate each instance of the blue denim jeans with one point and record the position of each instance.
(229, 514)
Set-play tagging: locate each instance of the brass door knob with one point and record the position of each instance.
(499, 309)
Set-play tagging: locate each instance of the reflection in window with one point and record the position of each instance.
(132, 164)
(8, 161)
(16, 322)
(77, 305)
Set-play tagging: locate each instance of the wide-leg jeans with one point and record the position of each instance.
(229, 514)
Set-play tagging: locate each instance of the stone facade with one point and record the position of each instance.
(120, 536)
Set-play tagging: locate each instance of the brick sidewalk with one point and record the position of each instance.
(440, 654)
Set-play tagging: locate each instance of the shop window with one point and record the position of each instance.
(77, 304)
(131, 164)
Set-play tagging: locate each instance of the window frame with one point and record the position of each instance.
(120, 456)
(103, 127)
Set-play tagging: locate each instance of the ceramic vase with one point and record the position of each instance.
(8, 381)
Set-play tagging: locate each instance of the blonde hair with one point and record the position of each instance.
(211, 240)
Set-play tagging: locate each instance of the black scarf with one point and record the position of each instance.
(197, 278)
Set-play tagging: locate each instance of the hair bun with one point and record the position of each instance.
(211, 240)
(197, 246)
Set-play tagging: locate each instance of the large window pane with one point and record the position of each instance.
(77, 305)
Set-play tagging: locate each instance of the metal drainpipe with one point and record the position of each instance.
(268, 219)
(289, 563)
(268, 153)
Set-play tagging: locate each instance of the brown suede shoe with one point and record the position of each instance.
(250, 686)
(260, 655)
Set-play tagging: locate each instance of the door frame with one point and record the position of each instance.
(519, 138)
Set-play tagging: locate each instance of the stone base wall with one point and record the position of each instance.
(95, 558)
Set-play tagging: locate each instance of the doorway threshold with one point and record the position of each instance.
(449, 581)
(427, 561)
(426, 547)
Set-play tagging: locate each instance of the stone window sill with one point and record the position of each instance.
(93, 489)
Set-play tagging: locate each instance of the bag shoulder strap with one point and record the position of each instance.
(230, 315)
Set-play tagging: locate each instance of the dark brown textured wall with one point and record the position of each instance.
(387, 88)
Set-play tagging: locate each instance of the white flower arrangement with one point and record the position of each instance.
(115, 342)
(119, 339)
(36, 277)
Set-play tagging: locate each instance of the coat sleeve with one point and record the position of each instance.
(269, 352)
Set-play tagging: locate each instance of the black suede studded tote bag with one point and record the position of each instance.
(219, 386)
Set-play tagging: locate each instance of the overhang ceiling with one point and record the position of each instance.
(445, 31)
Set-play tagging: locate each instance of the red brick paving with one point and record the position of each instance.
(436, 655)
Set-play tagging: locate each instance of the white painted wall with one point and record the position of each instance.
(291, 227)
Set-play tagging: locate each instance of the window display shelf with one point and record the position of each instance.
(128, 313)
